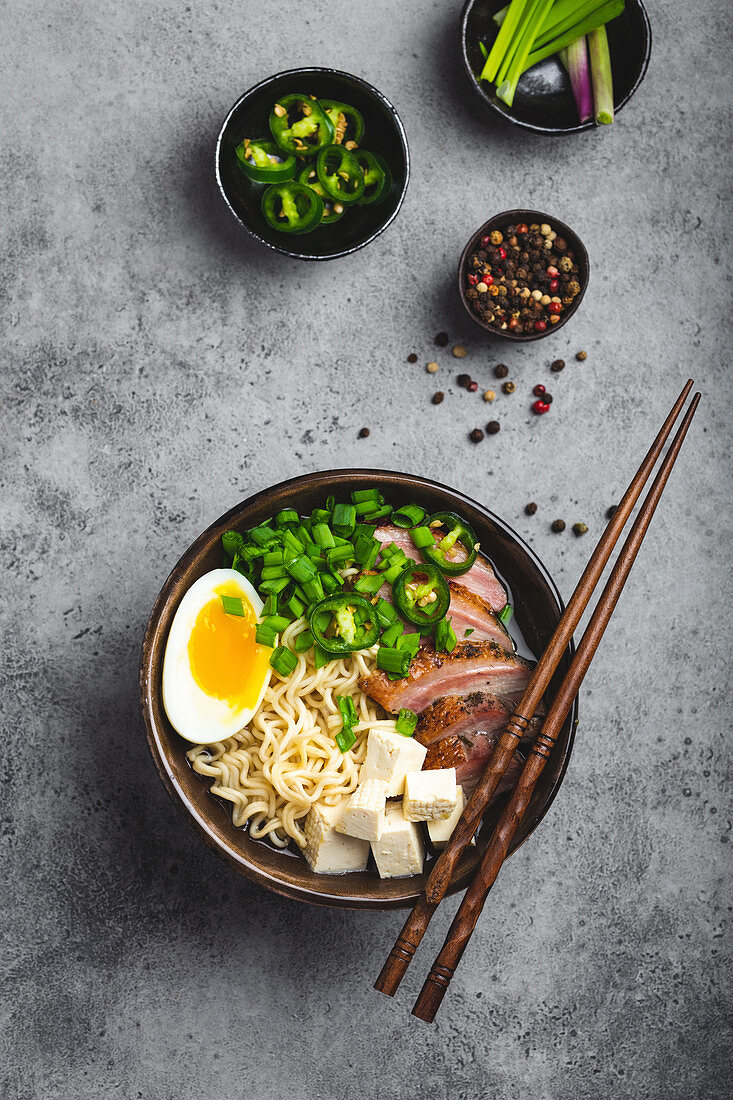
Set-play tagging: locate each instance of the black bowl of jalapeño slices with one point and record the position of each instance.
(313, 162)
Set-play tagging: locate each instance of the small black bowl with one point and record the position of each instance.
(544, 99)
(383, 134)
(499, 221)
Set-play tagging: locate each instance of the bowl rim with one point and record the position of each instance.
(526, 215)
(536, 128)
(369, 89)
(237, 860)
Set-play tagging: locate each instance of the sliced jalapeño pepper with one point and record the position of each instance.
(421, 594)
(299, 125)
(265, 162)
(340, 175)
(292, 207)
(442, 553)
(377, 177)
(332, 210)
(347, 122)
(355, 625)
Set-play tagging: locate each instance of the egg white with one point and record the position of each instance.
(199, 717)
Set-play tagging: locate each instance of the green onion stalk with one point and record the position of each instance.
(600, 64)
(575, 59)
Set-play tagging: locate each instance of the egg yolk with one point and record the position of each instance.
(225, 660)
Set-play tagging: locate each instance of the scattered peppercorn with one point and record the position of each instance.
(459, 351)
(501, 371)
(558, 525)
(547, 398)
(363, 433)
(431, 368)
(412, 358)
(438, 397)
(530, 508)
(508, 387)
(442, 339)
(493, 427)
(472, 387)
(581, 356)
(580, 529)
(611, 511)
(489, 395)
(464, 380)
(476, 435)
(540, 406)
(558, 365)
(538, 390)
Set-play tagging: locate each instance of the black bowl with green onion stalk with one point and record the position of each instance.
(543, 101)
(384, 135)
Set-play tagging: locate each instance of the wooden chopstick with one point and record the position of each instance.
(464, 922)
(439, 880)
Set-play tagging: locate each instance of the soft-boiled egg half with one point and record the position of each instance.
(214, 672)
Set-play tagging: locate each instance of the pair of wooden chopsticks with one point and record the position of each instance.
(439, 880)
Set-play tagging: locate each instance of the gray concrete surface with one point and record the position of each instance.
(159, 367)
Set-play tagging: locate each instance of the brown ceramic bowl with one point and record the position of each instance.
(499, 221)
(537, 608)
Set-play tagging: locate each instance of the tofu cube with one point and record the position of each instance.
(390, 756)
(441, 831)
(363, 816)
(327, 852)
(400, 850)
(430, 795)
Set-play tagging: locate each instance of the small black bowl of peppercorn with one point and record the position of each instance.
(523, 274)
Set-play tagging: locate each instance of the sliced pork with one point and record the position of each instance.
(480, 578)
(472, 666)
(462, 715)
(469, 756)
(471, 612)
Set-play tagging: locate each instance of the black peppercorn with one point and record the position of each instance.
(611, 511)
(464, 380)
(547, 398)
(530, 508)
(501, 371)
(558, 365)
(438, 397)
(580, 529)
(493, 427)
(442, 339)
(508, 387)
(364, 432)
(558, 525)
(412, 358)
(476, 435)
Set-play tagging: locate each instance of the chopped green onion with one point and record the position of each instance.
(240, 565)
(265, 635)
(292, 545)
(319, 515)
(296, 606)
(385, 510)
(368, 584)
(367, 507)
(366, 550)
(301, 569)
(330, 582)
(445, 636)
(263, 535)
(506, 613)
(399, 559)
(320, 657)
(303, 642)
(467, 631)
(396, 661)
(345, 739)
(409, 516)
(391, 635)
(303, 533)
(313, 589)
(233, 605)
(232, 543)
(273, 557)
(406, 722)
(269, 607)
(339, 554)
(278, 623)
(322, 535)
(422, 536)
(330, 503)
(348, 710)
(360, 495)
(391, 574)
(410, 642)
(275, 586)
(287, 517)
(344, 519)
(389, 548)
(283, 661)
(269, 572)
(385, 613)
